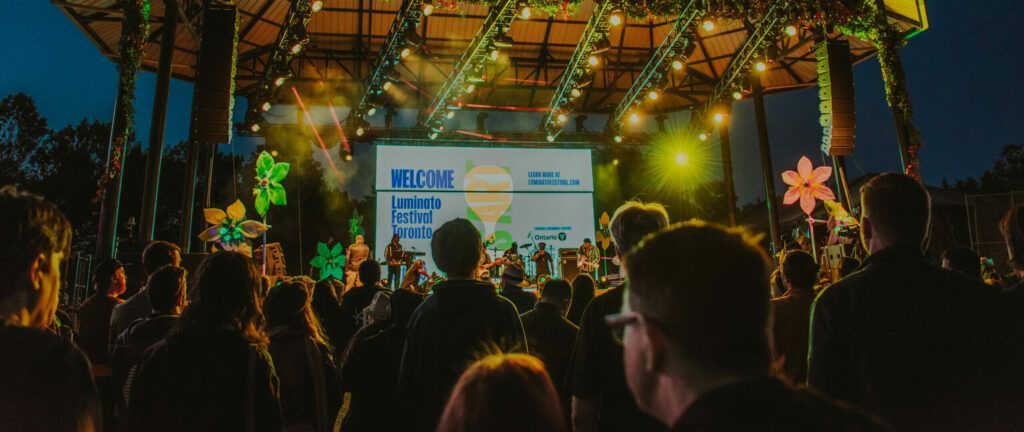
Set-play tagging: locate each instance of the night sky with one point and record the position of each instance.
(964, 75)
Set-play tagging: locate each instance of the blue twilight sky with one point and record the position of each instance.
(965, 77)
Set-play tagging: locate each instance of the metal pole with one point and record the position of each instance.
(767, 171)
(839, 162)
(106, 234)
(189, 196)
(730, 191)
(154, 155)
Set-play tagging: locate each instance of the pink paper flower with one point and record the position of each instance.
(806, 184)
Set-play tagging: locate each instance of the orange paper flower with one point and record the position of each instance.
(807, 184)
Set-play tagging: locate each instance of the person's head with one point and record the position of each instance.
(963, 260)
(514, 247)
(633, 221)
(369, 272)
(160, 253)
(360, 239)
(227, 293)
(799, 271)
(166, 289)
(35, 237)
(108, 278)
(896, 212)
(455, 248)
(403, 303)
(557, 292)
(1012, 227)
(696, 313)
(395, 238)
(512, 277)
(288, 306)
(582, 290)
(503, 393)
(847, 266)
(587, 244)
(542, 245)
(324, 296)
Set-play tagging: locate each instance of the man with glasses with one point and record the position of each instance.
(695, 338)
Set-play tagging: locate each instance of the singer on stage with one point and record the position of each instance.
(543, 260)
(394, 257)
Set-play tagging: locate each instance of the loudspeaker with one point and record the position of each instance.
(213, 98)
(567, 264)
(835, 94)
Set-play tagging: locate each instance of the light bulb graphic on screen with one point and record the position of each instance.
(488, 194)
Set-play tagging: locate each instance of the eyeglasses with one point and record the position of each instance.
(617, 324)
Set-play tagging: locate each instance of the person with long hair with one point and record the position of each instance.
(303, 359)
(582, 294)
(328, 312)
(503, 393)
(213, 372)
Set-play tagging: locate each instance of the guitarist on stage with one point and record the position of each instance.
(395, 259)
(543, 260)
(588, 259)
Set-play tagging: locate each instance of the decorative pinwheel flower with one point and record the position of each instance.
(268, 189)
(230, 229)
(806, 185)
(330, 262)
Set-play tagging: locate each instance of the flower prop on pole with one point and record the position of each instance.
(268, 189)
(230, 230)
(807, 185)
(330, 262)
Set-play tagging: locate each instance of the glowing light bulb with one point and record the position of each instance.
(360, 131)
(737, 95)
(594, 61)
(760, 66)
(279, 81)
(615, 19)
(297, 48)
(562, 118)
(266, 106)
(371, 112)
(618, 138)
(575, 93)
(634, 118)
(526, 13)
(348, 157)
(677, 64)
(255, 127)
(387, 85)
(406, 52)
(680, 158)
(615, 162)
(708, 25)
(495, 54)
(428, 9)
(719, 117)
(791, 30)
(317, 5)
(653, 95)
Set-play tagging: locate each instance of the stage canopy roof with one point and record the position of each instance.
(346, 36)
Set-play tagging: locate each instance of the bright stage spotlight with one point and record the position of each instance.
(616, 18)
(791, 30)
(634, 118)
(296, 48)
(266, 106)
(618, 138)
(428, 9)
(737, 95)
(255, 127)
(525, 13)
(678, 64)
(718, 118)
(348, 156)
(406, 52)
(680, 158)
(708, 25)
(551, 138)
(371, 112)
(760, 66)
(594, 61)
(680, 164)
(432, 135)
(653, 95)
(360, 131)
(317, 5)
(280, 81)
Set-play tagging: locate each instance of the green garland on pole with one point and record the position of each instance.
(134, 31)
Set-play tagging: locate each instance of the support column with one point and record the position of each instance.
(839, 165)
(767, 171)
(730, 190)
(134, 28)
(154, 155)
(189, 196)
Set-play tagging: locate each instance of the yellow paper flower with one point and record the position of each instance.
(230, 229)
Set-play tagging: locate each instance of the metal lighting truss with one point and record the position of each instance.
(293, 31)
(499, 20)
(674, 44)
(760, 37)
(597, 28)
(407, 20)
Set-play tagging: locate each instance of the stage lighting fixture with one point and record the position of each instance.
(678, 64)
(494, 55)
(615, 162)
(562, 118)
(470, 88)
(266, 106)
(432, 135)
(634, 118)
(360, 131)
(760, 66)
(652, 95)
(317, 5)
(601, 46)
(449, 115)
(551, 138)
(504, 42)
(618, 138)
(348, 157)
(427, 9)
(708, 25)
(616, 18)
(387, 85)
(718, 117)
(680, 158)
(525, 13)
(575, 93)
(406, 52)
(301, 36)
(737, 95)
(371, 112)
(594, 61)
(703, 136)
(274, 153)
(279, 81)
(296, 48)
(791, 30)
(255, 127)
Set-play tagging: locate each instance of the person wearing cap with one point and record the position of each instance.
(303, 359)
(512, 281)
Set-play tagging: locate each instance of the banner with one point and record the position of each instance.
(526, 196)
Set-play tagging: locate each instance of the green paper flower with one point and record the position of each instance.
(230, 229)
(330, 262)
(268, 190)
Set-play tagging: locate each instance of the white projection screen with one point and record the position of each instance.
(523, 195)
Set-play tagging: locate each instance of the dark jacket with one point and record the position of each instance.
(598, 372)
(791, 322)
(94, 327)
(459, 321)
(131, 345)
(352, 304)
(922, 347)
(45, 383)
(767, 404)
(370, 374)
(550, 337)
(208, 379)
(523, 300)
(310, 385)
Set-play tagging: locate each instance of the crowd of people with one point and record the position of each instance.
(703, 336)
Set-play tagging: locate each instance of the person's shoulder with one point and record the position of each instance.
(35, 345)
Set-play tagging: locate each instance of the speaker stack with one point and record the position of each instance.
(213, 99)
(835, 95)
